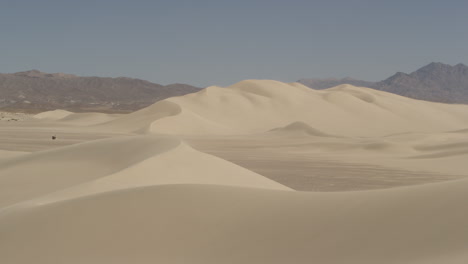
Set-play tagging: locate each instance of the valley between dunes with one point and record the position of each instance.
(257, 172)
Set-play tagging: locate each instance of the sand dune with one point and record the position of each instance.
(82, 119)
(260, 105)
(117, 163)
(300, 128)
(215, 224)
(53, 115)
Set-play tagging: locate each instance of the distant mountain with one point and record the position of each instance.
(435, 82)
(319, 84)
(35, 91)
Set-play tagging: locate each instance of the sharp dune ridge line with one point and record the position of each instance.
(175, 182)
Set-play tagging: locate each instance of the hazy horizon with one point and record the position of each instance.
(220, 42)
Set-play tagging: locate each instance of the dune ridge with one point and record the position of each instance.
(117, 163)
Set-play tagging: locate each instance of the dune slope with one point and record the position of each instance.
(216, 224)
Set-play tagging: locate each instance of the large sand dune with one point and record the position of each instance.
(209, 178)
(257, 106)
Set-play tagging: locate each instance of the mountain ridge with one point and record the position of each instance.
(36, 91)
(436, 82)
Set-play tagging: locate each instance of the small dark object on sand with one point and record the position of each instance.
(54, 137)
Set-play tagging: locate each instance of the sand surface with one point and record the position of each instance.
(258, 172)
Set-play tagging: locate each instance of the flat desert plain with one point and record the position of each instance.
(257, 172)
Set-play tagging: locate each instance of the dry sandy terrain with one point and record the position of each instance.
(258, 172)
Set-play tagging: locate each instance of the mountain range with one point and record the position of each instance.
(435, 82)
(35, 91)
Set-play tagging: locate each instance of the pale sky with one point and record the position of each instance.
(210, 42)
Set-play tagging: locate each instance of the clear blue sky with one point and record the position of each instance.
(221, 42)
